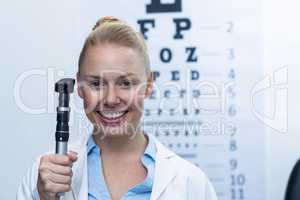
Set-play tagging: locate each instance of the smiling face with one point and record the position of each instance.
(113, 84)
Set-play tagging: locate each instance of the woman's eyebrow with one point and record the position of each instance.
(120, 77)
(128, 74)
(93, 76)
(98, 77)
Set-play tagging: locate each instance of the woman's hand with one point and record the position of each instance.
(55, 175)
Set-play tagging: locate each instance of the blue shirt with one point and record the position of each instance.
(97, 189)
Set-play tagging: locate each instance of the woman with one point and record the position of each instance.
(119, 160)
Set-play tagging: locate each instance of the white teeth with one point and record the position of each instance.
(111, 115)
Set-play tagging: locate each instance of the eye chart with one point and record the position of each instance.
(206, 57)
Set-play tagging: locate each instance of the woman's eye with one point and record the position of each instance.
(97, 84)
(126, 83)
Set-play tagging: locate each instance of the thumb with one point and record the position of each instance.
(72, 156)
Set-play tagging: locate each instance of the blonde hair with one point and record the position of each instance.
(113, 30)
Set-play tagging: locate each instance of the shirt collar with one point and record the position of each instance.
(149, 151)
(151, 147)
(91, 145)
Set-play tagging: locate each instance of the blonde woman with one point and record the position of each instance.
(118, 160)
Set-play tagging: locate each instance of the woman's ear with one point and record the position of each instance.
(149, 87)
(79, 87)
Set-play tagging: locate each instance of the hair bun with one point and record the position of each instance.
(104, 20)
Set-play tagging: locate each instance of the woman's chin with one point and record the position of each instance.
(112, 132)
(106, 131)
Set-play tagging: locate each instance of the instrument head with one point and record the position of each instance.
(65, 86)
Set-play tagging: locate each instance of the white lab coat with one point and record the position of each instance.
(175, 178)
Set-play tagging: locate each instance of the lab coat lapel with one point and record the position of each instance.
(80, 182)
(165, 171)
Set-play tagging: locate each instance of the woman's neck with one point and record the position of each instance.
(121, 146)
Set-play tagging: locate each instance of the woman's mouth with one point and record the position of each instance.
(112, 118)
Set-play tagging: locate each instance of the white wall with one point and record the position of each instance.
(282, 48)
(39, 35)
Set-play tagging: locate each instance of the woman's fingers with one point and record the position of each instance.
(56, 178)
(53, 188)
(55, 174)
(72, 156)
(60, 159)
(60, 169)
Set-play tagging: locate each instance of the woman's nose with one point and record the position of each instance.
(112, 97)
